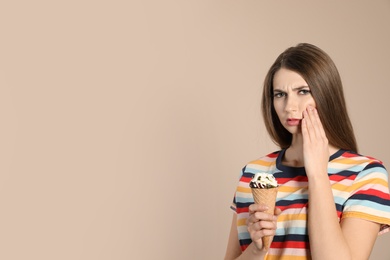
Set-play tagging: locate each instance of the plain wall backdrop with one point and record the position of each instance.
(125, 124)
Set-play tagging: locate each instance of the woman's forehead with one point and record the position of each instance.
(287, 79)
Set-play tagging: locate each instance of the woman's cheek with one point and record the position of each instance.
(310, 103)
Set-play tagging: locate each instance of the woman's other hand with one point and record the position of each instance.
(261, 224)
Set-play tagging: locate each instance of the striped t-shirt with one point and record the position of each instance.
(360, 188)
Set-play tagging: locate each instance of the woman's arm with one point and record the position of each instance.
(326, 237)
(353, 238)
(360, 235)
(233, 249)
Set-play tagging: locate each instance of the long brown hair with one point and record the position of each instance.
(322, 76)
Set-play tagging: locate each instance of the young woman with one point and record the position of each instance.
(332, 201)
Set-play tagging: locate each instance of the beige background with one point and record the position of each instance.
(125, 124)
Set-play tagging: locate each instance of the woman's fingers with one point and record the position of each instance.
(316, 122)
(320, 126)
(315, 143)
(304, 127)
(261, 228)
(257, 231)
(309, 123)
(257, 207)
(257, 212)
(260, 219)
(312, 128)
(260, 216)
(261, 224)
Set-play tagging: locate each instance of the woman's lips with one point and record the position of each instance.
(293, 122)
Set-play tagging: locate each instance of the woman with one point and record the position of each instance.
(332, 202)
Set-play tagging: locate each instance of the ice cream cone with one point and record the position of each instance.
(266, 197)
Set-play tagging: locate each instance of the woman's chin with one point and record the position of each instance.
(294, 129)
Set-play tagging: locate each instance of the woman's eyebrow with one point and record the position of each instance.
(296, 88)
(301, 87)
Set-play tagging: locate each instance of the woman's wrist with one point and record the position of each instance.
(256, 251)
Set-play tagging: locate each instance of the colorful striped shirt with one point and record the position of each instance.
(360, 189)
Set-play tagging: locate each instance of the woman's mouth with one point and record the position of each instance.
(293, 121)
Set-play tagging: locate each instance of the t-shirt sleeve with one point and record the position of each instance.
(370, 198)
(233, 206)
(242, 195)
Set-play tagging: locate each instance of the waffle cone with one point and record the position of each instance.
(266, 197)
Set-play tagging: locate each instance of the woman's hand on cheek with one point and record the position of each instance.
(315, 143)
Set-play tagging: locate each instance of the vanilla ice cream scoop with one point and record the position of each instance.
(263, 181)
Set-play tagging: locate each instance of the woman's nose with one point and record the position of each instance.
(291, 105)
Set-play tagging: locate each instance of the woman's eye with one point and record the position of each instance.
(304, 91)
(279, 95)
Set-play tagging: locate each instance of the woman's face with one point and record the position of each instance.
(291, 96)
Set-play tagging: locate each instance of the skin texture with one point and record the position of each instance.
(352, 238)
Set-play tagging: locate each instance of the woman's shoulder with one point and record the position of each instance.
(363, 166)
(358, 159)
(263, 162)
(266, 158)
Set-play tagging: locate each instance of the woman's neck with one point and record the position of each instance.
(293, 156)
